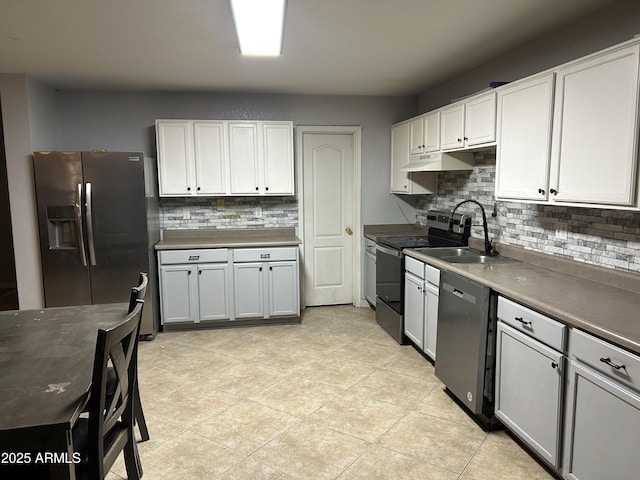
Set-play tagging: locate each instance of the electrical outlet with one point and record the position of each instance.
(562, 230)
(220, 204)
(257, 212)
(186, 214)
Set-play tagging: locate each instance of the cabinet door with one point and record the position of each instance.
(452, 127)
(175, 158)
(248, 280)
(416, 136)
(399, 158)
(480, 120)
(243, 158)
(594, 152)
(602, 430)
(529, 391)
(214, 291)
(277, 159)
(210, 158)
(431, 299)
(414, 309)
(283, 289)
(179, 294)
(370, 278)
(432, 132)
(524, 138)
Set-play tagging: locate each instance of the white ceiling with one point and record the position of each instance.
(341, 47)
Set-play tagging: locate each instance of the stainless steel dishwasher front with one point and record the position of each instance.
(465, 344)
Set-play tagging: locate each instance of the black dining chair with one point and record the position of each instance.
(137, 294)
(109, 428)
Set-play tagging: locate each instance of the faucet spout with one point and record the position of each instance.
(488, 248)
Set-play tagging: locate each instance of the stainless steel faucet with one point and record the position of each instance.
(488, 248)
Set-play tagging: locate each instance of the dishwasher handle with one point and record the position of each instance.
(462, 295)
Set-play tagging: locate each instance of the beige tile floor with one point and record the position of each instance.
(332, 398)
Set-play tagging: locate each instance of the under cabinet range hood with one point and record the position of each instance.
(440, 162)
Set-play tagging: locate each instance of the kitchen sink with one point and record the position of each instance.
(462, 255)
(476, 259)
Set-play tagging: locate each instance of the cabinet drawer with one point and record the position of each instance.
(370, 246)
(535, 324)
(202, 255)
(265, 254)
(416, 267)
(432, 275)
(606, 358)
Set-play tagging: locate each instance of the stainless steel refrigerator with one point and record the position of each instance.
(98, 222)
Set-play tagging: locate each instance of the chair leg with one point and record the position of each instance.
(132, 459)
(139, 414)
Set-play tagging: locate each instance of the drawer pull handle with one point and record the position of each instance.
(193, 258)
(611, 364)
(265, 255)
(523, 321)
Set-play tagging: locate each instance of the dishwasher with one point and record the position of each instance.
(466, 344)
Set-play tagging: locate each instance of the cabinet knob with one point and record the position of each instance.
(198, 189)
(257, 189)
(266, 188)
(553, 191)
(199, 272)
(541, 191)
(554, 365)
(459, 140)
(188, 189)
(466, 139)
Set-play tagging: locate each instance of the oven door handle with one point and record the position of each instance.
(389, 251)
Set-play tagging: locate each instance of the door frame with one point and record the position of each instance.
(356, 132)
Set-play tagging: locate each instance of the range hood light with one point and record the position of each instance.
(259, 26)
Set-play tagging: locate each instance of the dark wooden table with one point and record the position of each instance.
(46, 361)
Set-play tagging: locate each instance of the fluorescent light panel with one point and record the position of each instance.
(259, 25)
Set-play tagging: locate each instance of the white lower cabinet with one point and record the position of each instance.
(529, 378)
(266, 282)
(421, 298)
(602, 432)
(204, 285)
(370, 271)
(194, 285)
(414, 309)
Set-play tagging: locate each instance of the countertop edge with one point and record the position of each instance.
(535, 303)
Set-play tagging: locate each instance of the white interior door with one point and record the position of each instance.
(329, 216)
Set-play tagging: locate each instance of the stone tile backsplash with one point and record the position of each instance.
(237, 212)
(609, 238)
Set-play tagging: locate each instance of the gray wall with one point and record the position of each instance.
(125, 121)
(617, 22)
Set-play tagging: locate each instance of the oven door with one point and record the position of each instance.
(389, 273)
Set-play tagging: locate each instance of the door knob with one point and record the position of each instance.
(348, 230)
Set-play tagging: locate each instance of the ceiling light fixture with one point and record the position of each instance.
(259, 26)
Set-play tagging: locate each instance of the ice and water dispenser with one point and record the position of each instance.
(61, 224)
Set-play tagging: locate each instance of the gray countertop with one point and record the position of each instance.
(372, 232)
(575, 298)
(227, 238)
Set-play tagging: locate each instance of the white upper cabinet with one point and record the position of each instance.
(219, 157)
(424, 133)
(570, 136)
(470, 123)
(210, 150)
(594, 150)
(480, 120)
(175, 158)
(277, 158)
(452, 127)
(525, 110)
(243, 158)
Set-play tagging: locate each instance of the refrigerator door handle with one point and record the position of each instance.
(92, 250)
(80, 227)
